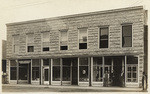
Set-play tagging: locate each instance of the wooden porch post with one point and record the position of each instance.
(49, 75)
(103, 61)
(125, 69)
(31, 72)
(61, 75)
(78, 70)
(91, 71)
(41, 71)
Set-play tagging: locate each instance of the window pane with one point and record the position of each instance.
(103, 33)
(83, 61)
(45, 48)
(66, 73)
(132, 60)
(23, 72)
(13, 63)
(13, 73)
(127, 41)
(64, 47)
(30, 48)
(35, 73)
(97, 60)
(127, 30)
(108, 61)
(83, 35)
(56, 73)
(82, 45)
(46, 37)
(129, 75)
(134, 68)
(97, 73)
(104, 44)
(45, 62)
(35, 63)
(45, 74)
(134, 75)
(129, 68)
(83, 73)
(56, 61)
(63, 36)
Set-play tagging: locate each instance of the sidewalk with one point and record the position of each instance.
(88, 88)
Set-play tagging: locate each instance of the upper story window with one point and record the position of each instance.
(103, 40)
(83, 38)
(30, 42)
(127, 36)
(45, 41)
(63, 40)
(16, 43)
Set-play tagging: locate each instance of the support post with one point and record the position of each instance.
(125, 69)
(41, 71)
(103, 61)
(17, 71)
(31, 71)
(91, 71)
(61, 75)
(78, 70)
(49, 75)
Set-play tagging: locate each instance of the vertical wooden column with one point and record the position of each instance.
(78, 70)
(49, 73)
(112, 65)
(91, 71)
(41, 71)
(31, 71)
(8, 71)
(71, 71)
(125, 69)
(17, 71)
(103, 61)
(61, 75)
(51, 70)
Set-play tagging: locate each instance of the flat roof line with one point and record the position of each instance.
(75, 15)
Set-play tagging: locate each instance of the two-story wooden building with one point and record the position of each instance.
(78, 49)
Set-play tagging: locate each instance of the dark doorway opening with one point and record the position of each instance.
(117, 71)
(74, 71)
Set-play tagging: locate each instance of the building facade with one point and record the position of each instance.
(78, 49)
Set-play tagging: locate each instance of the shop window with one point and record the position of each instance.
(35, 69)
(132, 69)
(13, 70)
(97, 69)
(45, 48)
(63, 40)
(66, 69)
(83, 69)
(56, 69)
(83, 38)
(127, 36)
(103, 40)
(30, 48)
(107, 64)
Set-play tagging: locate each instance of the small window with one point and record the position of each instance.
(127, 36)
(30, 48)
(103, 37)
(45, 48)
(64, 48)
(63, 40)
(83, 38)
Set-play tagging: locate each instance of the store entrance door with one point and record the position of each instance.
(117, 71)
(46, 75)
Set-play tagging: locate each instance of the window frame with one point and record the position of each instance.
(29, 44)
(42, 45)
(63, 30)
(127, 24)
(15, 44)
(79, 37)
(99, 31)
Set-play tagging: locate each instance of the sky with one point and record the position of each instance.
(23, 10)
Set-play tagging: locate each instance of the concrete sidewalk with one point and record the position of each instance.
(114, 89)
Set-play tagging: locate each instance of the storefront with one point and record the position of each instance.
(83, 71)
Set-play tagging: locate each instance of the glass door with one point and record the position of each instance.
(46, 76)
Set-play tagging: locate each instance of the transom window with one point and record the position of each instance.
(127, 36)
(103, 37)
(83, 38)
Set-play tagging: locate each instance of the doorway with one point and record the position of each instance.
(117, 70)
(46, 75)
(24, 76)
(74, 71)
